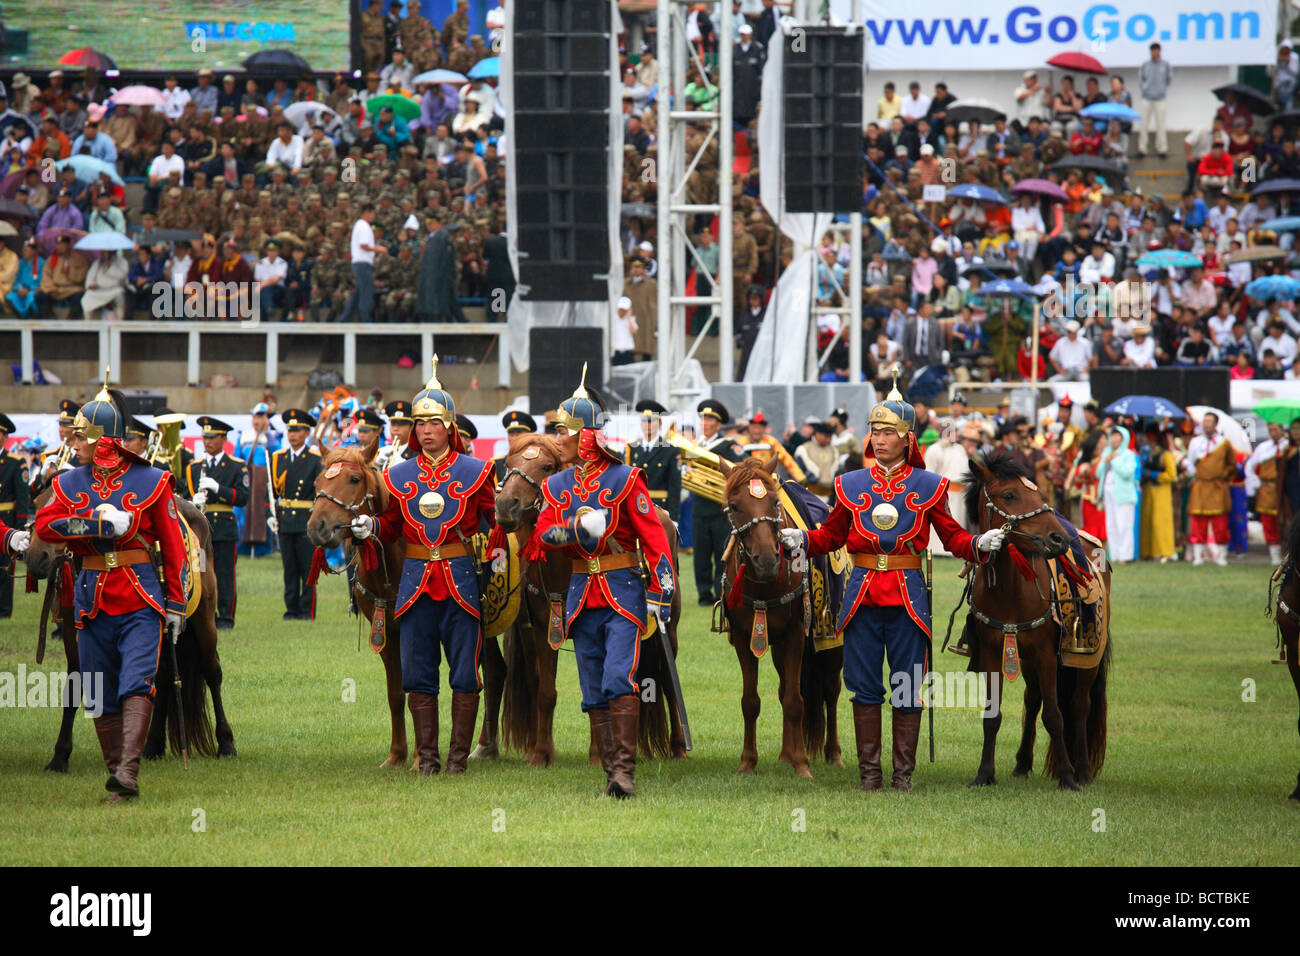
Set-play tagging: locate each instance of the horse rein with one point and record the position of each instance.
(738, 534)
(536, 506)
(1010, 520)
(356, 506)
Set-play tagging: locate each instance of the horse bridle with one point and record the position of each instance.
(537, 486)
(778, 523)
(353, 509)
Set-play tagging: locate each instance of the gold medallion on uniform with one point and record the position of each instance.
(884, 516)
(431, 504)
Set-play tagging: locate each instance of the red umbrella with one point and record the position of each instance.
(85, 57)
(1079, 62)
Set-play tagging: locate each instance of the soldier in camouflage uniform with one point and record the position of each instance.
(427, 56)
(246, 194)
(459, 59)
(372, 37)
(326, 281)
(279, 188)
(329, 185)
(388, 217)
(257, 234)
(205, 215)
(336, 237)
(174, 215)
(414, 30)
(456, 27)
(293, 218)
(399, 301)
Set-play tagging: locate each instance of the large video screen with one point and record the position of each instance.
(185, 36)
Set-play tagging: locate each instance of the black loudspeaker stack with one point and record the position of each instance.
(822, 79)
(555, 368)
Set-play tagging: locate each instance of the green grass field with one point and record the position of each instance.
(1193, 775)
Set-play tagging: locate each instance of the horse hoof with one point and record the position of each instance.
(1020, 772)
(60, 765)
(226, 750)
(538, 759)
(805, 772)
(1068, 785)
(835, 760)
(681, 753)
(1294, 798)
(983, 782)
(746, 769)
(393, 760)
(482, 752)
(152, 753)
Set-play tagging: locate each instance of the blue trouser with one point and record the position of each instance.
(870, 633)
(362, 298)
(607, 646)
(121, 650)
(429, 626)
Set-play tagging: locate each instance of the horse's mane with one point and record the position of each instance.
(1001, 465)
(744, 471)
(520, 443)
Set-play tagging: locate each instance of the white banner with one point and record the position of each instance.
(1013, 34)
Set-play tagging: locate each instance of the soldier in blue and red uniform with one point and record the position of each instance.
(884, 515)
(438, 500)
(113, 512)
(602, 515)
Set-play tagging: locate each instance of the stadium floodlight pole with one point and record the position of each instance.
(663, 139)
(725, 288)
(855, 252)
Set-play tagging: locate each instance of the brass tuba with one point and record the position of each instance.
(701, 468)
(165, 444)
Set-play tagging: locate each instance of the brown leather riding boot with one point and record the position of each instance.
(108, 728)
(464, 714)
(602, 731)
(623, 716)
(136, 712)
(907, 732)
(424, 715)
(866, 728)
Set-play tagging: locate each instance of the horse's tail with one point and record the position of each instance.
(1097, 714)
(652, 721)
(519, 698)
(194, 696)
(1066, 679)
(812, 685)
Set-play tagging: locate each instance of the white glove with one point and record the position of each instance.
(175, 624)
(120, 520)
(594, 523)
(273, 524)
(19, 540)
(792, 539)
(991, 540)
(209, 484)
(200, 500)
(362, 526)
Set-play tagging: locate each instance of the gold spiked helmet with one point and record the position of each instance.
(434, 403)
(580, 410)
(100, 417)
(893, 412)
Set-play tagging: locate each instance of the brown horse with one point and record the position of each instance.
(196, 655)
(353, 489)
(772, 611)
(529, 694)
(1004, 601)
(1287, 615)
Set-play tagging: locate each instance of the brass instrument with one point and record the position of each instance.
(164, 449)
(701, 468)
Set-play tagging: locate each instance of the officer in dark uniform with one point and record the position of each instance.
(400, 424)
(52, 459)
(135, 437)
(293, 482)
(516, 423)
(467, 433)
(15, 503)
(710, 529)
(661, 462)
(219, 484)
(370, 427)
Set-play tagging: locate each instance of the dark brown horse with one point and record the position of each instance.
(772, 612)
(1000, 493)
(353, 489)
(529, 694)
(1287, 615)
(196, 654)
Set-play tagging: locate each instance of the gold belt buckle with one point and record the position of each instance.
(882, 562)
(435, 554)
(110, 560)
(593, 565)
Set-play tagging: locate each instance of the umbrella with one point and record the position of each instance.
(1111, 111)
(13, 119)
(971, 108)
(1257, 254)
(47, 239)
(976, 191)
(407, 109)
(1280, 224)
(1248, 96)
(1279, 411)
(276, 61)
(169, 235)
(138, 96)
(7, 229)
(998, 266)
(1276, 186)
(86, 57)
(1041, 187)
(1145, 406)
(9, 185)
(1098, 165)
(1286, 118)
(297, 113)
(1008, 288)
(639, 210)
(1228, 426)
(1268, 288)
(440, 76)
(1169, 259)
(895, 254)
(1079, 63)
(20, 210)
(487, 67)
(89, 168)
(107, 241)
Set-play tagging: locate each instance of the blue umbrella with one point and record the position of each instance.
(1010, 288)
(1268, 288)
(1276, 186)
(440, 76)
(1169, 259)
(1145, 406)
(976, 191)
(106, 241)
(88, 168)
(491, 66)
(1281, 224)
(1111, 111)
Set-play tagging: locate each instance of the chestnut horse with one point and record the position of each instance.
(775, 592)
(196, 653)
(1287, 614)
(1001, 493)
(353, 489)
(529, 696)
